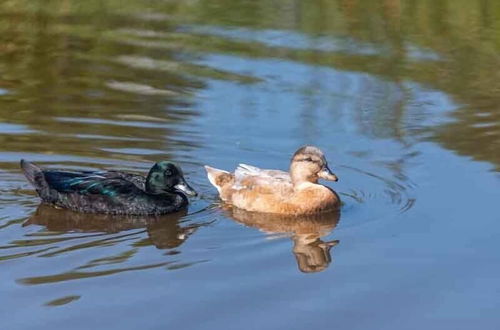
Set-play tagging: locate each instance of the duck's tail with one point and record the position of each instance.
(34, 175)
(219, 178)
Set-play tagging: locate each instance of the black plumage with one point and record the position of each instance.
(163, 191)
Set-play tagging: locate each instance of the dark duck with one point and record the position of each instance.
(164, 190)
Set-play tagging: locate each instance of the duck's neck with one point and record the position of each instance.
(173, 197)
(301, 177)
(151, 186)
(180, 198)
(153, 189)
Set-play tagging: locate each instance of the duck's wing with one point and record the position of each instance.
(90, 183)
(272, 181)
(138, 180)
(244, 170)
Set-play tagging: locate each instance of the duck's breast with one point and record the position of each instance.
(316, 199)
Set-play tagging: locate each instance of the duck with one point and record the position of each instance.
(296, 192)
(164, 190)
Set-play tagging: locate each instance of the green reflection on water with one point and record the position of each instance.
(101, 59)
(62, 301)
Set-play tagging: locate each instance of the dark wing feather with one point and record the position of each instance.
(138, 180)
(87, 183)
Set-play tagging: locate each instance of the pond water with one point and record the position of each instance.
(402, 96)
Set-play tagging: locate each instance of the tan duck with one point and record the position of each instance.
(273, 191)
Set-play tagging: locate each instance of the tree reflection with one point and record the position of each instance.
(80, 58)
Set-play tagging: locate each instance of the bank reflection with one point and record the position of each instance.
(311, 252)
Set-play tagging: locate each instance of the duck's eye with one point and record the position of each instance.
(168, 172)
(308, 159)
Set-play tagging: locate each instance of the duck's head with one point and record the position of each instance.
(309, 164)
(167, 177)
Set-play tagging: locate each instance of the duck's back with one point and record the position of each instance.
(138, 180)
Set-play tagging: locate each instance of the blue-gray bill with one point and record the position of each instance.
(327, 174)
(185, 188)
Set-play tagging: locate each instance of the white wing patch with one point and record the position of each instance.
(261, 176)
(243, 170)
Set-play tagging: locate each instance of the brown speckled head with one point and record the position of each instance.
(308, 164)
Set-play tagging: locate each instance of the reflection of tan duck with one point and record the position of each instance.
(271, 191)
(164, 231)
(312, 254)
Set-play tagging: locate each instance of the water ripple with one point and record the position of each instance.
(394, 191)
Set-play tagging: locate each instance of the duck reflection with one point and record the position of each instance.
(311, 252)
(165, 231)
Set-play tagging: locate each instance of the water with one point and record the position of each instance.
(401, 96)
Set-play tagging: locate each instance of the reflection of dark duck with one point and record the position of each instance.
(169, 234)
(164, 231)
(163, 191)
(312, 253)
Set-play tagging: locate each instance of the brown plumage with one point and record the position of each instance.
(273, 191)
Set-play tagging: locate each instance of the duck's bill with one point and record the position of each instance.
(185, 188)
(327, 174)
